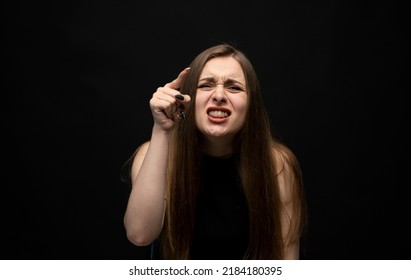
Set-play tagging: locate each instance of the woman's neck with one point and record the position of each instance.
(217, 147)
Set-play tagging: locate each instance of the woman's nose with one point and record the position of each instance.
(219, 94)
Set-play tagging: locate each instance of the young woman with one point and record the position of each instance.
(213, 182)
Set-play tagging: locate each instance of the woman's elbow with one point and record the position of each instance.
(138, 234)
(139, 239)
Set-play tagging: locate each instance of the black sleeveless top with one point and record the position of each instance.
(221, 229)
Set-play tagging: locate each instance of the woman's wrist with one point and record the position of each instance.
(158, 131)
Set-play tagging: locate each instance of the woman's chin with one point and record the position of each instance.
(216, 133)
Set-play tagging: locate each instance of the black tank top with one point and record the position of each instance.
(221, 229)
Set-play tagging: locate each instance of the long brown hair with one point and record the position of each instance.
(259, 167)
(258, 170)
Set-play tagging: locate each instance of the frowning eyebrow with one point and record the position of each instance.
(227, 81)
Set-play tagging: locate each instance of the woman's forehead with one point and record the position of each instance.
(223, 68)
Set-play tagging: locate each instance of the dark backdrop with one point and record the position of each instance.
(79, 76)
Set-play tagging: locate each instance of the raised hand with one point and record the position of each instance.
(168, 104)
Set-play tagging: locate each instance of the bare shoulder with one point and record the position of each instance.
(141, 151)
(287, 171)
(284, 158)
(138, 159)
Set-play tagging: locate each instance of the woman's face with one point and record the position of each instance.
(221, 98)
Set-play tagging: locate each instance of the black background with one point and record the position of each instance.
(79, 75)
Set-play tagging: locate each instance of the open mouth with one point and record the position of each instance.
(218, 113)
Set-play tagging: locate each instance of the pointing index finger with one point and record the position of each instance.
(179, 81)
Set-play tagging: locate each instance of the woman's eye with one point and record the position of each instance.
(229, 88)
(205, 86)
(234, 89)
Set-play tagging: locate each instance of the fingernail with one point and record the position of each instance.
(179, 97)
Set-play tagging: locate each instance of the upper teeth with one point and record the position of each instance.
(220, 114)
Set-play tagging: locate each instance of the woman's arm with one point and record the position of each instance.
(291, 194)
(143, 219)
(144, 215)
